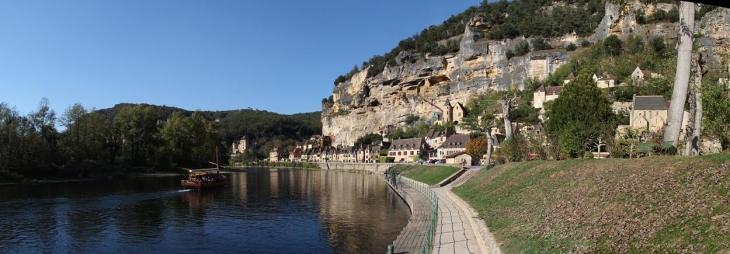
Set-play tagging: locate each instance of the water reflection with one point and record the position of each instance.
(259, 211)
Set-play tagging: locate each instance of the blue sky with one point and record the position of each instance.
(274, 55)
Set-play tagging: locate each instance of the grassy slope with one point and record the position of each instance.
(664, 204)
(427, 174)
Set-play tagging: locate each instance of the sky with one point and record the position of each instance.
(274, 55)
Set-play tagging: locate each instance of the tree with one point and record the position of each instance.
(522, 48)
(613, 45)
(411, 119)
(480, 116)
(580, 115)
(539, 44)
(507, 104)
(681, 81)
(138, 125)
(634, 44)
(369, 139)
(477, 147)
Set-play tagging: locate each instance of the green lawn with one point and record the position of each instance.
(665, 204)
(428, 174)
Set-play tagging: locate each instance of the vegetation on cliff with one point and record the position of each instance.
(529, 18)
(653, 204)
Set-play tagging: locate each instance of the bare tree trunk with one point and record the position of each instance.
(506, 107)
(695, 124)
(681, 81)
(690, 123)
(489, 147)
(698, 106)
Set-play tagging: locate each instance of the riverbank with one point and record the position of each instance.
(653, 204)
(52, 174)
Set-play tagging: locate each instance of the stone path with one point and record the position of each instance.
(459, 229)
(413, 235)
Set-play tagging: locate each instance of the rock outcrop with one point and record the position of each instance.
(364, 105)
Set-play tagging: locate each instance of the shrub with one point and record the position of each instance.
(588, 155)
(570, 47)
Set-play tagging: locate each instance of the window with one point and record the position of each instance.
(411, 152)
(398, 153)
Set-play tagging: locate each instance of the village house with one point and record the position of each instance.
(603, 81)
(278, 154)
(649, 113)
(454, 144)
(532, 130)
(296, 154)
(435, 138)
(460, 158)
(373, 153)
(570, 77)
(405, 150)
(640, 74)
(345, 154)
(544, 94)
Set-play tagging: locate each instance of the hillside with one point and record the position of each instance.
(260, 125)
(502, 45)
(653, 204)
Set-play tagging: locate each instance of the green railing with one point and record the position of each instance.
(427, 246)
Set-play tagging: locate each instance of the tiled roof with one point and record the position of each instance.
(550, 89)
(570, 76)
(652, 102)
(553, 89)
(407, 144)
(456, 141)
(455, 155)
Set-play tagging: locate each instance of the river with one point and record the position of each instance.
(258, 211)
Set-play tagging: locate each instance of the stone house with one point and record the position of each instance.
(544, 94)
(450, 113)
(278, 154)
(454, 144)
(650, 113)
(639, 74)
(458, 158)
(372, 154)
(404, 150)
(532, 130)
(435, 138)
(345, 154)
(604, 82)
(239, 146)
(296, 154)
(570, 77)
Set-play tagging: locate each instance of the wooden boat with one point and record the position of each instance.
(205, 178)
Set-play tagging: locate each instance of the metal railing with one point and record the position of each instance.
(427, 246)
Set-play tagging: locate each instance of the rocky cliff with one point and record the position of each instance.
(364, 105)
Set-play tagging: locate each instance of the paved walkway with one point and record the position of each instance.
(459, 230)
(413, 235)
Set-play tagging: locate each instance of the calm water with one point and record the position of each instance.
(259, 211)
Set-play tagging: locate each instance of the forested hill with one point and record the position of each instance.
(259, 125)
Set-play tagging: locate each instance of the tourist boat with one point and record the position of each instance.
(205, 178)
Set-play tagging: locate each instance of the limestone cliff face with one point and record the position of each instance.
(364, 105)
